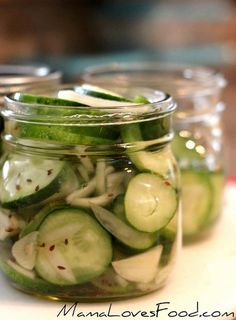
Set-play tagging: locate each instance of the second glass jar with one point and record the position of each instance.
(198, 143)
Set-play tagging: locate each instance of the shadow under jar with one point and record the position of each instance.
(198, 145)
(89, 195)
(15, 78)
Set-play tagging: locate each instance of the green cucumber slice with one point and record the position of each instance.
(160, 161)
(217, 180)
(141, 268)
(72, 135)
(150, 202)
(38, 219)
(197, 196)
(92, 101)
(25, 278)
(29, 180)
(74, 248)
(184, 149)
(98, 92)
(123, 232)
(43, 100)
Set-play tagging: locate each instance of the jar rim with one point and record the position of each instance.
(160, 105)
(198, 79)
(13, 74)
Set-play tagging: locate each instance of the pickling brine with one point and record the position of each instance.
(89, 193)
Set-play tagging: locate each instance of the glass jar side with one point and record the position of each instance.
(89, 222)
(78, 229)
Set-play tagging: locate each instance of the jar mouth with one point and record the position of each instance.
(161, 104)
(179, 80)
(22, 74)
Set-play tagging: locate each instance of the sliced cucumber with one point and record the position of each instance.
(197, 196)
(25, 250)
(92, 101)
(185, 150)
(74, 135)
(126, 234)
(27, 279)
(34, 224)
(217, 180)
(141, 99)
(75, 248)
(160, 161)
(43, 100)
(150, 202)
(98, 92)
(25, 181)
(141, 268)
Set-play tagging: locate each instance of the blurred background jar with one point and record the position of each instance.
(198, 144)
(15, 78)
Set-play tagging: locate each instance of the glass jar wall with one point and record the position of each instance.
(198, 144)
(89, 195)
(21, 77)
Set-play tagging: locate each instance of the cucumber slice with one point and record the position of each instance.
(43, 100)
(217, 180)
(160, 161)
(74, 248)
(150, 202)
(184, 149)
(92, 101)
(72, 135)
(141, 268)
(28, 279)
(98, 92)
(197, 196)
(29, 180)
(25, 278)
(38, 219)
(25, 250)
(141, 99)
(126, 234)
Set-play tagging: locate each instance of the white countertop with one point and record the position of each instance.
(205, 273)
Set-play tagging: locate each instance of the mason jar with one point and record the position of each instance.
(20, 77)
(198, 143)
(89, 195)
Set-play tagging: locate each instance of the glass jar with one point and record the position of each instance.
(88, 198)
(21, 77)
(198, 144)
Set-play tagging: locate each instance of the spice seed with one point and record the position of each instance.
(61, 268)
(50, 172)
(52, 247)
